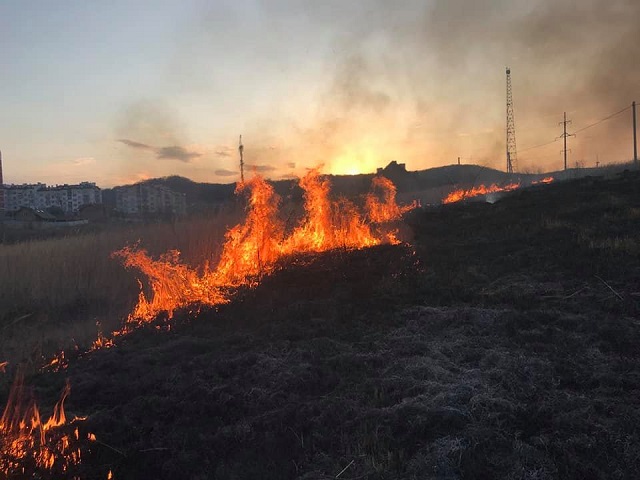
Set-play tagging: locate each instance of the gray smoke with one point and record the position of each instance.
(430, 71)
(566, 55)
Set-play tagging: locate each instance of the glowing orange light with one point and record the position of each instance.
(252, 248)
(462, 194)
(544, 180)
(26, 440)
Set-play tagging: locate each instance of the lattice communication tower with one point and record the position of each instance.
(512, 157)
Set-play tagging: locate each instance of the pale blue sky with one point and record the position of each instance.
(350, 85)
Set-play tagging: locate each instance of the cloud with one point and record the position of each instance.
(225, 173)
(177, 153)
(82, 161)
(174, 152)
(223, 152)
(132, 144)
(261, 168)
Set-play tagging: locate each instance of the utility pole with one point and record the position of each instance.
(635, 142)
(564, 137)
(458, 160)
(241, 150)
(511, 129)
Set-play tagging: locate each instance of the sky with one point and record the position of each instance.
(120, 91)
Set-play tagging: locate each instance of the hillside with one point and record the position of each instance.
(428, 186)
(201, 194)
(501, 343)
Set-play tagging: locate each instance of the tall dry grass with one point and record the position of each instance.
(52, 292)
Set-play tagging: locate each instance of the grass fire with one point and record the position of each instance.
(305, 340)
(31, 447)
(253, 248)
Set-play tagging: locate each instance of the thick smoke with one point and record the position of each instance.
(418, 81)
(433, 74)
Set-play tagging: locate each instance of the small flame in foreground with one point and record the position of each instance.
(3, 367)
(27, 444)
(459, 195)
(252, 249)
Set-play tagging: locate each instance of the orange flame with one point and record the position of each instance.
(26, 442)
(326, 224)
(381, 203)
(3, 367)
(253, 248)
(544, 180)
(458, 195)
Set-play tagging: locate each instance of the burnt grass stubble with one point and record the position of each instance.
(503, 343)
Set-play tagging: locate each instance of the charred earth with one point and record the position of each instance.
(503, 343)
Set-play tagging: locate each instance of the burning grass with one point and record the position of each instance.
(253, 248)
(462, 194)
(33, 448)
(506, 347)
(52, 292)
(465, 194)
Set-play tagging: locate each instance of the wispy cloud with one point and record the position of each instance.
(261, 168)
(177, 153)
(132, 144)
(225, 173)
(223, 151)
(173, 152)
(82, 161)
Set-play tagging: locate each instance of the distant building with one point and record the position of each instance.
(143, 199)
(26, 214)
(393, 169)
(94, 212)
(39, 196)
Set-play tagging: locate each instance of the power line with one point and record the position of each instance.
(604, 119)
(579, 130)
(538, 146)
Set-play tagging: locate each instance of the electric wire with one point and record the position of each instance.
(538, 146)
(604, 119)
(608, 117)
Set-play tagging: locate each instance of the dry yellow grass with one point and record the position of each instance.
(52, 292)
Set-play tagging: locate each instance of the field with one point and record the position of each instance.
(54, 291)
(501, 342)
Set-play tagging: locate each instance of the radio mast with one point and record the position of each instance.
(241, 150)
(512, 157)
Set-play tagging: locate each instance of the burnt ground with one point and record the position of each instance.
(503, 344)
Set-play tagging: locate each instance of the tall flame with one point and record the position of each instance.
(381, 205)
(326, 224)
(253, 248)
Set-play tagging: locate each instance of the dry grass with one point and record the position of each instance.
(52, 292)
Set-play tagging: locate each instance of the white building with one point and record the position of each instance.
(39, 196)
(143, 198)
